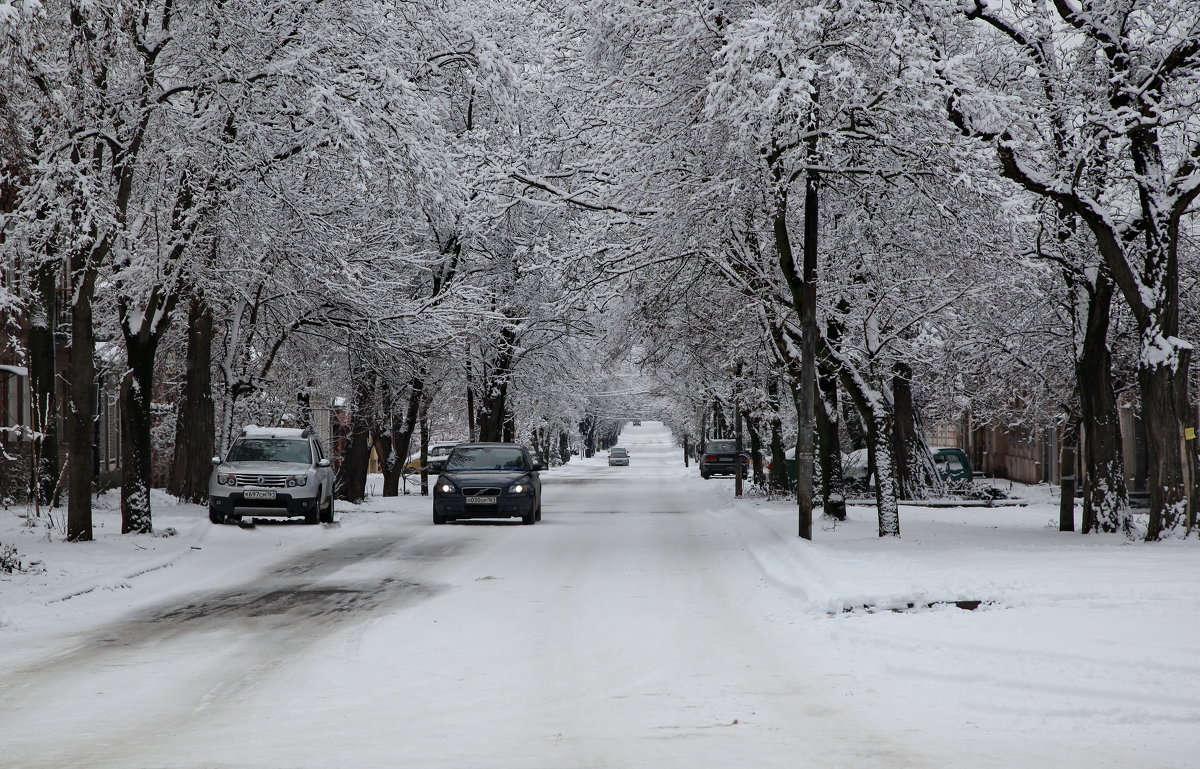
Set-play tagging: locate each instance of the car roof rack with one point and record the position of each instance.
(290, 432)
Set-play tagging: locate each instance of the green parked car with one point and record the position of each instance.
(953, 465)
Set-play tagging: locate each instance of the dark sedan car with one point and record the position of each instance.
(720, 457)
(488, 480)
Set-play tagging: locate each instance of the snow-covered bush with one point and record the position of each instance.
(10, 559)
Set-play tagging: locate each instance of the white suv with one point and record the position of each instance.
(272, 472)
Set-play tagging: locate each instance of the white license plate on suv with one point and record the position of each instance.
(251, 494)
(481, 500)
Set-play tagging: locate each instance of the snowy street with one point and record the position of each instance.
(269, 269)
(649, 620)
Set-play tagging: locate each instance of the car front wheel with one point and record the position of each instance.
(313, 515)
(215, 515)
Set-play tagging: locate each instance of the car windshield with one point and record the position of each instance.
(951, 461)
(270, 450)
(486, 458)
(618, 452)
(719, 446)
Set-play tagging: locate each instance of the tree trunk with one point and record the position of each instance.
(756, 465)
(81, 397)
(509, 434)
(352, 474)
(393, 448)
(872, 410)
(902, 429)
(494, 421)
(564, 447)
(137, 387)
(915, 473)
(833, 485)
(424, 418)
(470, 406)
(1105, 499)
(720, 425)
(777, 481)
(1165, 361)
(1066, 482)
(803, 293)
(738, 480)
(495, 410)
(1165, 410)
(587, 428)
(304, 406)
(195, 419)
(883, 466)
(43, 376)
(384, 437)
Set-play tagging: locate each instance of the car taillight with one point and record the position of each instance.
(710, 458)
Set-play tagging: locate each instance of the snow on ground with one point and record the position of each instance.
(650, 620)
(77, 582)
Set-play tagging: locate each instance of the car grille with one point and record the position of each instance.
(269, 481)
(481, 492)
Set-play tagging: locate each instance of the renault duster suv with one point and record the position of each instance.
(272, 472)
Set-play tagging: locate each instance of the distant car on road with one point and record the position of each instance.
(488, 480)
(720, 457)
(637, 423)
(435, 458)
(618, 456)
(272, 472)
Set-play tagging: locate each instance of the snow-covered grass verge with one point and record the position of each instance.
(1075, 634)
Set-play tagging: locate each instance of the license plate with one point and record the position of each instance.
(250, 494)
(481, 500)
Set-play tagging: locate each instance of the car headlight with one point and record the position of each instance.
(445, 487)
(226, 479)
(297, 480)
(521, 487)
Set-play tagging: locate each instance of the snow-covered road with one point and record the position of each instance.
(646, 622)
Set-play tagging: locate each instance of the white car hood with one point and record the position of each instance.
(265, 468)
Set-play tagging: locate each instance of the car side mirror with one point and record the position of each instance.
(216, 460)
(323, 463)
(537, 467)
